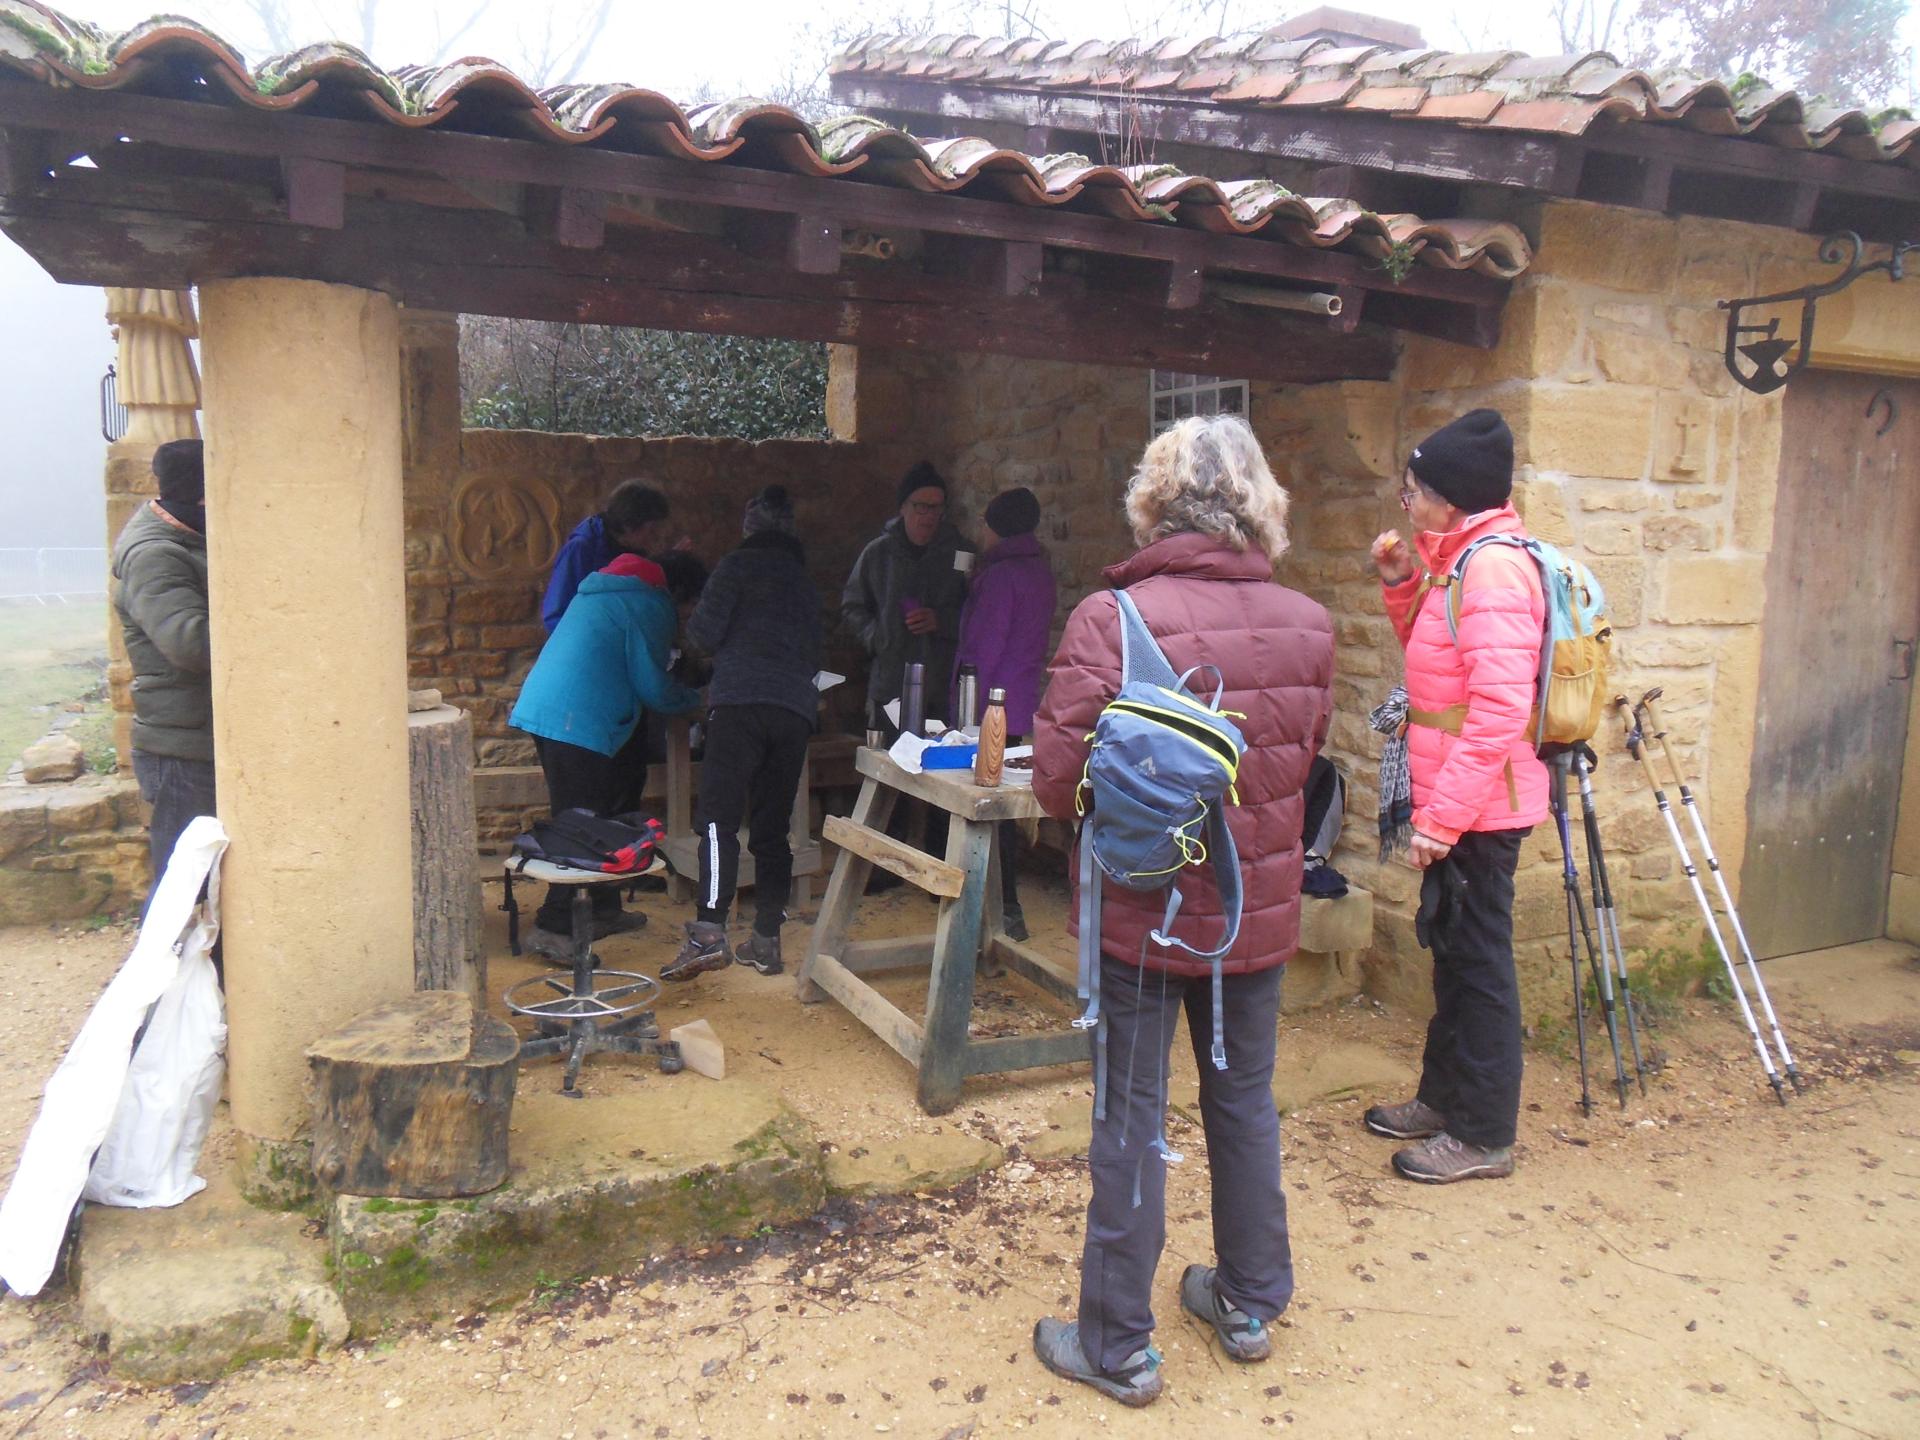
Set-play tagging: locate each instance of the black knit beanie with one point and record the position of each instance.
(771, 509)
(1468, 463)
(920, 477)
(1013, 512)
(180, 467)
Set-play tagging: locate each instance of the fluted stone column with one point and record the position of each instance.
(304, 542)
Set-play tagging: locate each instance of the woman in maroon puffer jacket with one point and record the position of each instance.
(1210, 521)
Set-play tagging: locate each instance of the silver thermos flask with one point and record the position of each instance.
(913, 700)
(966, 700)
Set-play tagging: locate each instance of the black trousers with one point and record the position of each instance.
(1471, 1073)
(750, 771)
(577, 779)
(1140, 1009)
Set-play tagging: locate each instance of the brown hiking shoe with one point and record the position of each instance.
(704, 949)
(1443, 1160)
(1409, 1120)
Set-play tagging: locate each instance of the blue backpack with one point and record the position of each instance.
(1161, 768)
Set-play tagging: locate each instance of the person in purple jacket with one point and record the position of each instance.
(1004, 629)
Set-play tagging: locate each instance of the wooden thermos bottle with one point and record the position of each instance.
(993, 740)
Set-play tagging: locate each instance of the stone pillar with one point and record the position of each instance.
(304, 541)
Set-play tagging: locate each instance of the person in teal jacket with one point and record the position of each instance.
(602, 669)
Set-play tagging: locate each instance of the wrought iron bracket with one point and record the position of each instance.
(1774, 360)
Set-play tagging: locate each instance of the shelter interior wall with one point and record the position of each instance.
(487, 511)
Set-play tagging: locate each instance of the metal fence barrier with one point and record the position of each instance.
(53, 573)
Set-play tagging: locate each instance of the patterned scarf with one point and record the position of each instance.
(1396, 777)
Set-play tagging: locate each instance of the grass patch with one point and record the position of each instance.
(51, 656)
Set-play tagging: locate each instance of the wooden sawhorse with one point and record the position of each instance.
(967, 883)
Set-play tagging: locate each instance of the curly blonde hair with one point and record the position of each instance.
(1208, 475)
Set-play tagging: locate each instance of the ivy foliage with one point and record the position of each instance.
(606, 380)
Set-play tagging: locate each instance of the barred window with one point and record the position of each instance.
(1174, 396)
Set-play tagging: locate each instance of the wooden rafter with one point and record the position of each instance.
(96, 227)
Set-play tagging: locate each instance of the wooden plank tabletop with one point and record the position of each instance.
(949, 791)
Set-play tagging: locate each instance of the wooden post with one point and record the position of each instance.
(412, 1098)
(956, 941)
(447, 949)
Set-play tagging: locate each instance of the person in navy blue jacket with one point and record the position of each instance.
(634, 523)
(602, 669)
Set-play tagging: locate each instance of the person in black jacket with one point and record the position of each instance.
(759, 618)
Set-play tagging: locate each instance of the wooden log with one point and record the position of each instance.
(412, 1098)
(448, 953)
(913, 865)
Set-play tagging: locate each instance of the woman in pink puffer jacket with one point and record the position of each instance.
(1478, 788)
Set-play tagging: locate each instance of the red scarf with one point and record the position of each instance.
(637, 566)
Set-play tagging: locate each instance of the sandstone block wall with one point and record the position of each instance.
(71, 850)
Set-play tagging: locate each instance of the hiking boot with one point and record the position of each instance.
(1013, 922)
(1409, 1120)
(762, 952)
(1244, 1337)
(1137, 1383)
(704, 949)
(1443, 1160)
(617, 922)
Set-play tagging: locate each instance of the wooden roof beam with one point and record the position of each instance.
(481, 262)
(213, 127)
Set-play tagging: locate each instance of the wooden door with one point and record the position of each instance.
(1842, 616)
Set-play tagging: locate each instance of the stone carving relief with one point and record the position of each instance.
(504, 527)
(158, 381)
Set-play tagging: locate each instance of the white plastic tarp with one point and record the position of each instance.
(82, 1098)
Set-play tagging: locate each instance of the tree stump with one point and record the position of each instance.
(412, 1099)
(447, 949)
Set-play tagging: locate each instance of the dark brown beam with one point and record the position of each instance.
(813, 246)
(216, 127)
(485, 263)
(1752, 158)
(568, 216)
(316, 192)
(23, 160)
(1184, 285)
(1547, 163)
(1005, 267)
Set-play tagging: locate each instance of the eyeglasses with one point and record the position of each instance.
(924, 507)
(1406, 498)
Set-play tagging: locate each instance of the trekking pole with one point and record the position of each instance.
(1637, 747)
(1692, 807)
(1577, 911)
(1605, 917)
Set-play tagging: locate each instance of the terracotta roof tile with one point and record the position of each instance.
(1472, 108)
(1394, 100)
(1322, 92)
(1552, 94)
(480, 96)
(1260, 87)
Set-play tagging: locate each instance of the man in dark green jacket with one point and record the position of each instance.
(904, 596)
(160, 566)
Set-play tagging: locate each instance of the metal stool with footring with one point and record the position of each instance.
(596, 1010)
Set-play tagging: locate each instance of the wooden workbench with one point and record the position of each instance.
(967, 883)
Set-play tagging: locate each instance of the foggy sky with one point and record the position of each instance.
(54, 343)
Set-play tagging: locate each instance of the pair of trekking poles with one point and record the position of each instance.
(1606, 955)
(1642, 722)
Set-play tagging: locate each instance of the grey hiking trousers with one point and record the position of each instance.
(1124, 1239)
